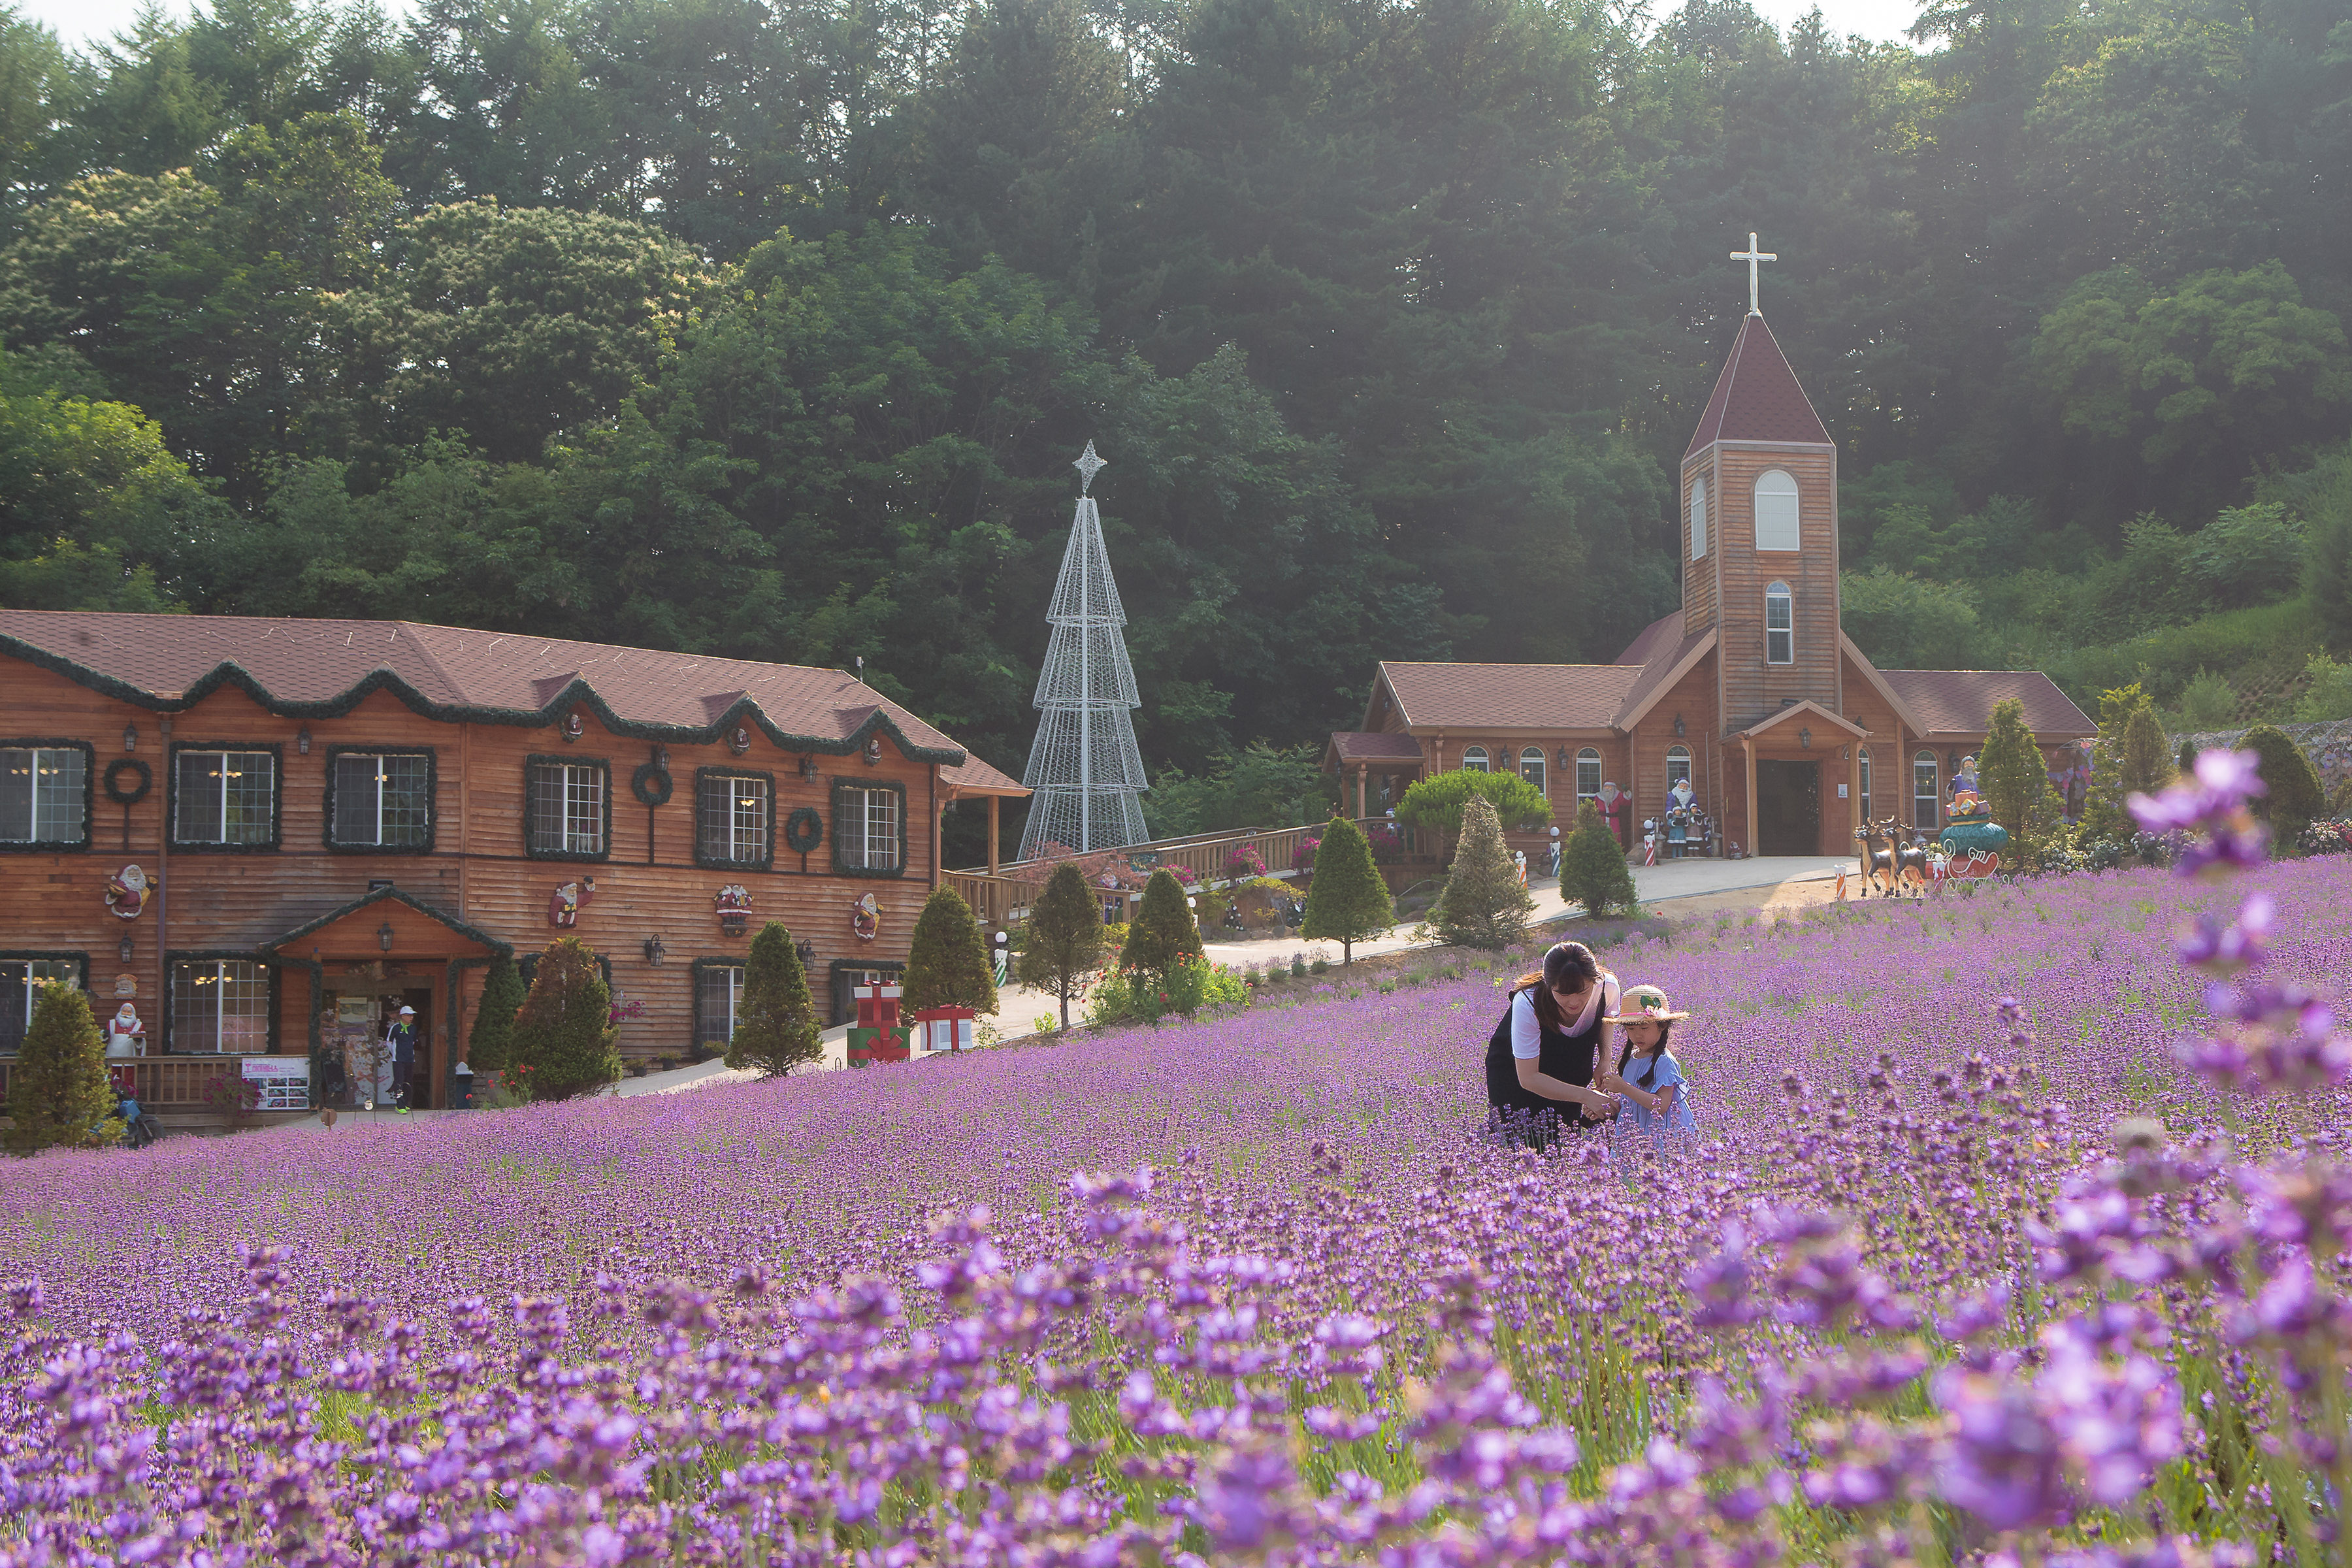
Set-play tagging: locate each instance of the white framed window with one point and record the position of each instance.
(1473, 759)
(566, 808)
(1678, 766)
(43, 793)
(731, 817)
(718, 1000)
(383, 800)
(1698, 518)
(225, 797)
(867, 833)
(1927, 791)
(220, 1005)
(1531, 766)
(1863, 756)
(1780, 625)
(21, 980)
(1776, 511)
(1588, 777)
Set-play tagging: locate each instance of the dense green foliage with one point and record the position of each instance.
(490, 1045)
(563, 1040)
(776, 1025)
(1349, 900)
(1163, 933)
(57, 1092)
(2130, 757)
(1064, 944)
(2291, 794)
(2010, 775)
(1592, 869)
(947, 965)
(1441, 801)
(770, 330)
(1484, 903)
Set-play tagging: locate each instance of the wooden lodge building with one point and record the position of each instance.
(267, 835)
(1789, 736)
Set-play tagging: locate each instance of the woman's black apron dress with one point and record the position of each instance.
(1522, 1116)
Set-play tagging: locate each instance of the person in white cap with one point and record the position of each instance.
(400, 1040)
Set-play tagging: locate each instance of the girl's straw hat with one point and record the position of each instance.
(1643, 1004)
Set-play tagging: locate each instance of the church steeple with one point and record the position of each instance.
(1759, 507)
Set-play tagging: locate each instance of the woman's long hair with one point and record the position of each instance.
(1567, 962)
(1665, 1027)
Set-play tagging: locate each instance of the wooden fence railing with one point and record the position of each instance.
(164, 1083)
(1003, 898)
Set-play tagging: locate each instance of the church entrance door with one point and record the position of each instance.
(1787, 808)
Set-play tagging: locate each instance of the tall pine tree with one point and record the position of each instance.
(1348, 900)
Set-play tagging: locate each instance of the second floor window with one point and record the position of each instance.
(383, 800)
(566, 809)
(732, 819)
(43, 791)
(1780, 625)
(225, 797)
(866, 830)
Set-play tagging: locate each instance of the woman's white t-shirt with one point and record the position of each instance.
(1527, 1030)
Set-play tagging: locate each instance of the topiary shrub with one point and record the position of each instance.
(490, 1045)
(1163, 933)
(947, 965)
(2292, 796)
(58, 1094)
(1484, 905)
(1592, 869)
(1064, 940)
(776, 1027)
(563, 1040)
(1348, 900)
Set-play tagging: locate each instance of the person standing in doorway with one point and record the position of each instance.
(400, 1043)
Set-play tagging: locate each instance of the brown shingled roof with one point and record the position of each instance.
(1375, 746)
(319, 669)
(974, 777)
(1757, 397)
(1508, 696)
(1666, 666)
(1651, 640)
(1961, 701)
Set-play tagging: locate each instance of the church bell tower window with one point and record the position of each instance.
(1780, 625)
(1776, 510)
(1698, 518)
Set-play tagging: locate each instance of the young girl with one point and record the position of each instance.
(1657, 1101)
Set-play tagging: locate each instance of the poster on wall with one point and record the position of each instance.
(284, 1082)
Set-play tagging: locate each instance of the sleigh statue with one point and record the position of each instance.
(1971, 841)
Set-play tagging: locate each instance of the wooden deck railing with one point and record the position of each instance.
(1003, 898)
(164, 1083)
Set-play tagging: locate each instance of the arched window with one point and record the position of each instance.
(1776, 510)
(1473, 759)
(1927, 791)
(1532, 767)
(1698, 519)
(1588, 777)
(1780, 625)
(1864, 808)
(1678, 766)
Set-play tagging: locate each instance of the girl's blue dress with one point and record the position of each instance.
(1640, 1118)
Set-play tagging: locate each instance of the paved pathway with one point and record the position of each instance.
(1019, 1008)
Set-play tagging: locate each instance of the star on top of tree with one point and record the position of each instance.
(1089, 466)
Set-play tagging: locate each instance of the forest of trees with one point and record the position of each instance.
(771, 329)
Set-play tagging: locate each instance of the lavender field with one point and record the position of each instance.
(1947, 1282)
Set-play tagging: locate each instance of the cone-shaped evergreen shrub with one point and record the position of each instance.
(1593, 870)
(57, 1092)
(490, 1045)
(1348, 902)
(1482, 904)
(2010, 775)
(776, 1027)
(948, 965)
(2131, 756)
(2293, 795)
(1163, 933)
(562, 1041)
(1065, 939)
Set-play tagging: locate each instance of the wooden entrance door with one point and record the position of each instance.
(1787, 808)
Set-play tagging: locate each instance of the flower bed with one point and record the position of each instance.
(2001, 1279)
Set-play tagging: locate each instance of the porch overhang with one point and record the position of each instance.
(1807, 709)
(418, 929)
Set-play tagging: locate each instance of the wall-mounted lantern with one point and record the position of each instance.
(123, 950)
(655, 951)
(383, 935)
(1804, 739)
(302, 740)
(1678, 726)
(130, 737)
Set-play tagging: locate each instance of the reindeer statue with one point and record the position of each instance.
(1896, 868)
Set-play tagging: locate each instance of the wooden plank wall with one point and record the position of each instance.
(1751, 689)
(476, 870)
(1698, 576)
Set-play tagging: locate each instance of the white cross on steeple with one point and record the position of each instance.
(1752, 255)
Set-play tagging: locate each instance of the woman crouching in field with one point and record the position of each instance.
(1541, 1059)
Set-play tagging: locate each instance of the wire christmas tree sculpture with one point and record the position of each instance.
(1085, 767)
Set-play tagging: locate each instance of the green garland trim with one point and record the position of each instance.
(470, 932)
(578, 692)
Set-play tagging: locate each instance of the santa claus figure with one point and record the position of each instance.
(126, 1037)
(1613, 801)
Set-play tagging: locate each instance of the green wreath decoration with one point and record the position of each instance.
(651, 784)
(803, 831)
(116, 792)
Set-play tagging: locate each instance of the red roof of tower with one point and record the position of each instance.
(1756, 398)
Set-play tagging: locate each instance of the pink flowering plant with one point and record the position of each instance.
(2017, 1236)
